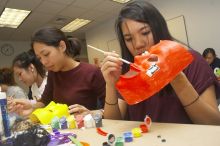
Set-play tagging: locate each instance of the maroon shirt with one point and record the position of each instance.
(167, 107)
(82, 85)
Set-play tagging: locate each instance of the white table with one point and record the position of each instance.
(174, 134)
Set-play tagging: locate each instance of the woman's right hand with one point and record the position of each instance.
(111, 68)
(22, 107)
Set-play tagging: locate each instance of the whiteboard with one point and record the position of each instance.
(177, 29)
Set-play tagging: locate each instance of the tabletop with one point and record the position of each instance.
(160, 134)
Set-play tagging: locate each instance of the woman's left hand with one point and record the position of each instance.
(78, 109)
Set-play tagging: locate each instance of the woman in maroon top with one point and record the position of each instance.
(189, 98)
(79, 85)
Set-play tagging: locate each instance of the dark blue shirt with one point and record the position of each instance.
(215, 63)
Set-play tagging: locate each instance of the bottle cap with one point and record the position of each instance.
(111, 139)
(128, 137)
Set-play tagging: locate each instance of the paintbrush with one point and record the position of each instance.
(99, 50)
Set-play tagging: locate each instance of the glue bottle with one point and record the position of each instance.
(4, 115)
(1, 125)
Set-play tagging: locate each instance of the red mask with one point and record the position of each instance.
(151, 71)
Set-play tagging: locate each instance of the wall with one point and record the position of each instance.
(201, 17)
(99, 37)
(202, 20)
(83, 53)
(19, 47)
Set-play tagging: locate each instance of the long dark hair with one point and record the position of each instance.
(52, 36)
(209, 50)
(25, 59)
(144, 12)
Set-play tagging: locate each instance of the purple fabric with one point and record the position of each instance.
(82, 85)
(167, 107)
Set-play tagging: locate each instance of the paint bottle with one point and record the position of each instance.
(1, 125)
(98, 119)
(4, 114)
(63, 123)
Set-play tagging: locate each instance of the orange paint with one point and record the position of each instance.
(152, 71)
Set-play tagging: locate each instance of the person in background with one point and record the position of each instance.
(31, 72)
(214, 62)
(210, 56)
(8, 85)
(189, 98)
(77, 84)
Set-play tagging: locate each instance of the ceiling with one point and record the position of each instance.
(57, 13)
